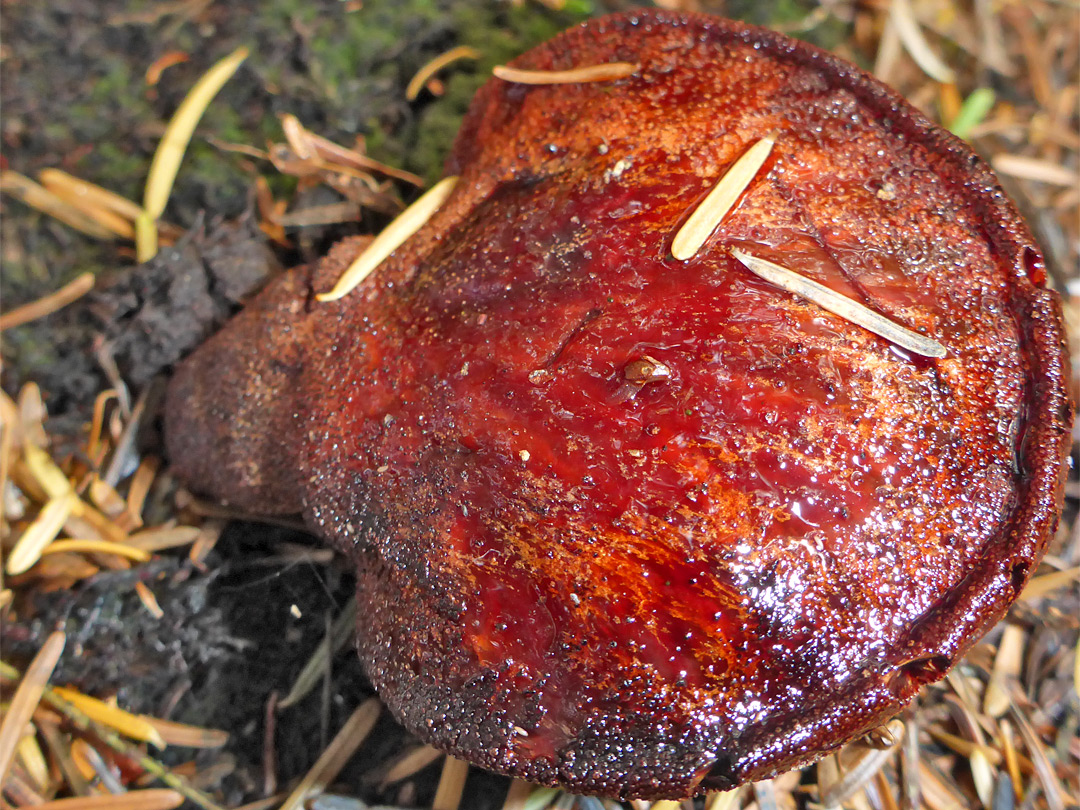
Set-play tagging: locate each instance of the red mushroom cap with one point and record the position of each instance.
(640, 526)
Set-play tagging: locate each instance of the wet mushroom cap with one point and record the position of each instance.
(642, 526)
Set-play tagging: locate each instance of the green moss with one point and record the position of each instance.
(499, 33)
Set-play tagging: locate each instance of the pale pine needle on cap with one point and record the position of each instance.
(609, 71)
(393, 236)
(841, 305)
(712, 210)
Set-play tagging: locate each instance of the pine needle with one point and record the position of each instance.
(451, 784)
(712, 210)
(393, 236)
(39, 197)
(146, 237)
(69, 293)
(40, 533)
(337, 754)
(174, 143)
(27, 697)
(411, 763)
(903, 17)
(187, 736)
(1007, 664)
(130, 725)
(83, 545)
(149, 799)
(841, 305)
(607, 72)
(424, 74)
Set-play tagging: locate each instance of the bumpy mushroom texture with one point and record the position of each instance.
(639, 526)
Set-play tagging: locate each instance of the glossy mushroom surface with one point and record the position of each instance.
(641, 526)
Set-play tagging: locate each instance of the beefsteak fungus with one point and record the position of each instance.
(719, 405)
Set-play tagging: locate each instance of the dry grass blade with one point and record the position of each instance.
(173, 145)
(1041, 586)
(862, 770)
(146, 237)
(1053, 792)
(27, 697)
(424, 74)
(982, 774)
(336, 755)
(45, 472)
(40, 533)
(840, 305)
(393, 236)
(130, 725)
(109, 210)
(60, 749)
(46, 305)
(150, 799)
(724, 800)
(937, 790)
(712, 210)
(451, 784)
(903, 17)
(313, 670)
(517, 795)
(1029, 168)
(45, 201)
(187, 736)
(411, 763)
(163, 537)
(609, 71)
(1006, 669)
(96, 547)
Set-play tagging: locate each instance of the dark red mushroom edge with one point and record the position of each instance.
(642, 526)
